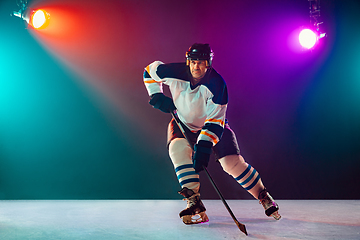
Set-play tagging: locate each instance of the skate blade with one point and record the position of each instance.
(195, 219)
(276, 215)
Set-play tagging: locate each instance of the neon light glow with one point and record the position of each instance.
(307, 38)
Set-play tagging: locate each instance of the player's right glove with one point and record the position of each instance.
(202, 151)
(162, 102)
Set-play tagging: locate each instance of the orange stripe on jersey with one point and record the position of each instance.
(150, 81)
(210, 136)
(215, 120)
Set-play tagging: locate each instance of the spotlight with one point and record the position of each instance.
(38, 19)
(309, 37)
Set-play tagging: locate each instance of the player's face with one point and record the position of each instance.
(198, 68)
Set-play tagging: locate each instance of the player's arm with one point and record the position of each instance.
(153, 84)
(213, 127)
(214, 123)
(209, 136)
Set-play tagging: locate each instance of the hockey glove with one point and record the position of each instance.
(201, 155)
(162, 102)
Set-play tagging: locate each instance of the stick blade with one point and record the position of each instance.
(242, 227)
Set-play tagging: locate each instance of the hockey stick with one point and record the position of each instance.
(240, 225)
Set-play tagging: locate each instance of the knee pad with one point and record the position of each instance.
(233, 164)
(180, 152)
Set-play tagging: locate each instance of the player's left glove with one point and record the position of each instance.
(201, 155)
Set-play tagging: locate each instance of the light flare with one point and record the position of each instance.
(39, 19)
(308, 38)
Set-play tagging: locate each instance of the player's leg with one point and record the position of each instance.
(250, 180)
(243, 173)
(228, 154)
(180, 154)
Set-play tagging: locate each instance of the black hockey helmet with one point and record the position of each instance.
(199, 51)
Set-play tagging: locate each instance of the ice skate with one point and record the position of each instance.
(195, 210)
(270, 206)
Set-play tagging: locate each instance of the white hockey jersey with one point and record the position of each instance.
(200, 107)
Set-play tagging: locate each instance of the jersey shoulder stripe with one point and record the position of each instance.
(217, 87)
(174, 70)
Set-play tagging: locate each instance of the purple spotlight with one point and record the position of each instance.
(308, 38)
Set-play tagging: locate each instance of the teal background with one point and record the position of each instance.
(74, 117)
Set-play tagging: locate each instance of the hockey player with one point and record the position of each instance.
(199, 95)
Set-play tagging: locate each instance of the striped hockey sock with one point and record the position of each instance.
(187, 176)
(180, 153)
(248, 178)
(243, 173)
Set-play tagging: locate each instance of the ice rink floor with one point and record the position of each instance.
(158, 219)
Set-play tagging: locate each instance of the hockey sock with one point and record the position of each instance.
(181, 156)
(243, 173)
